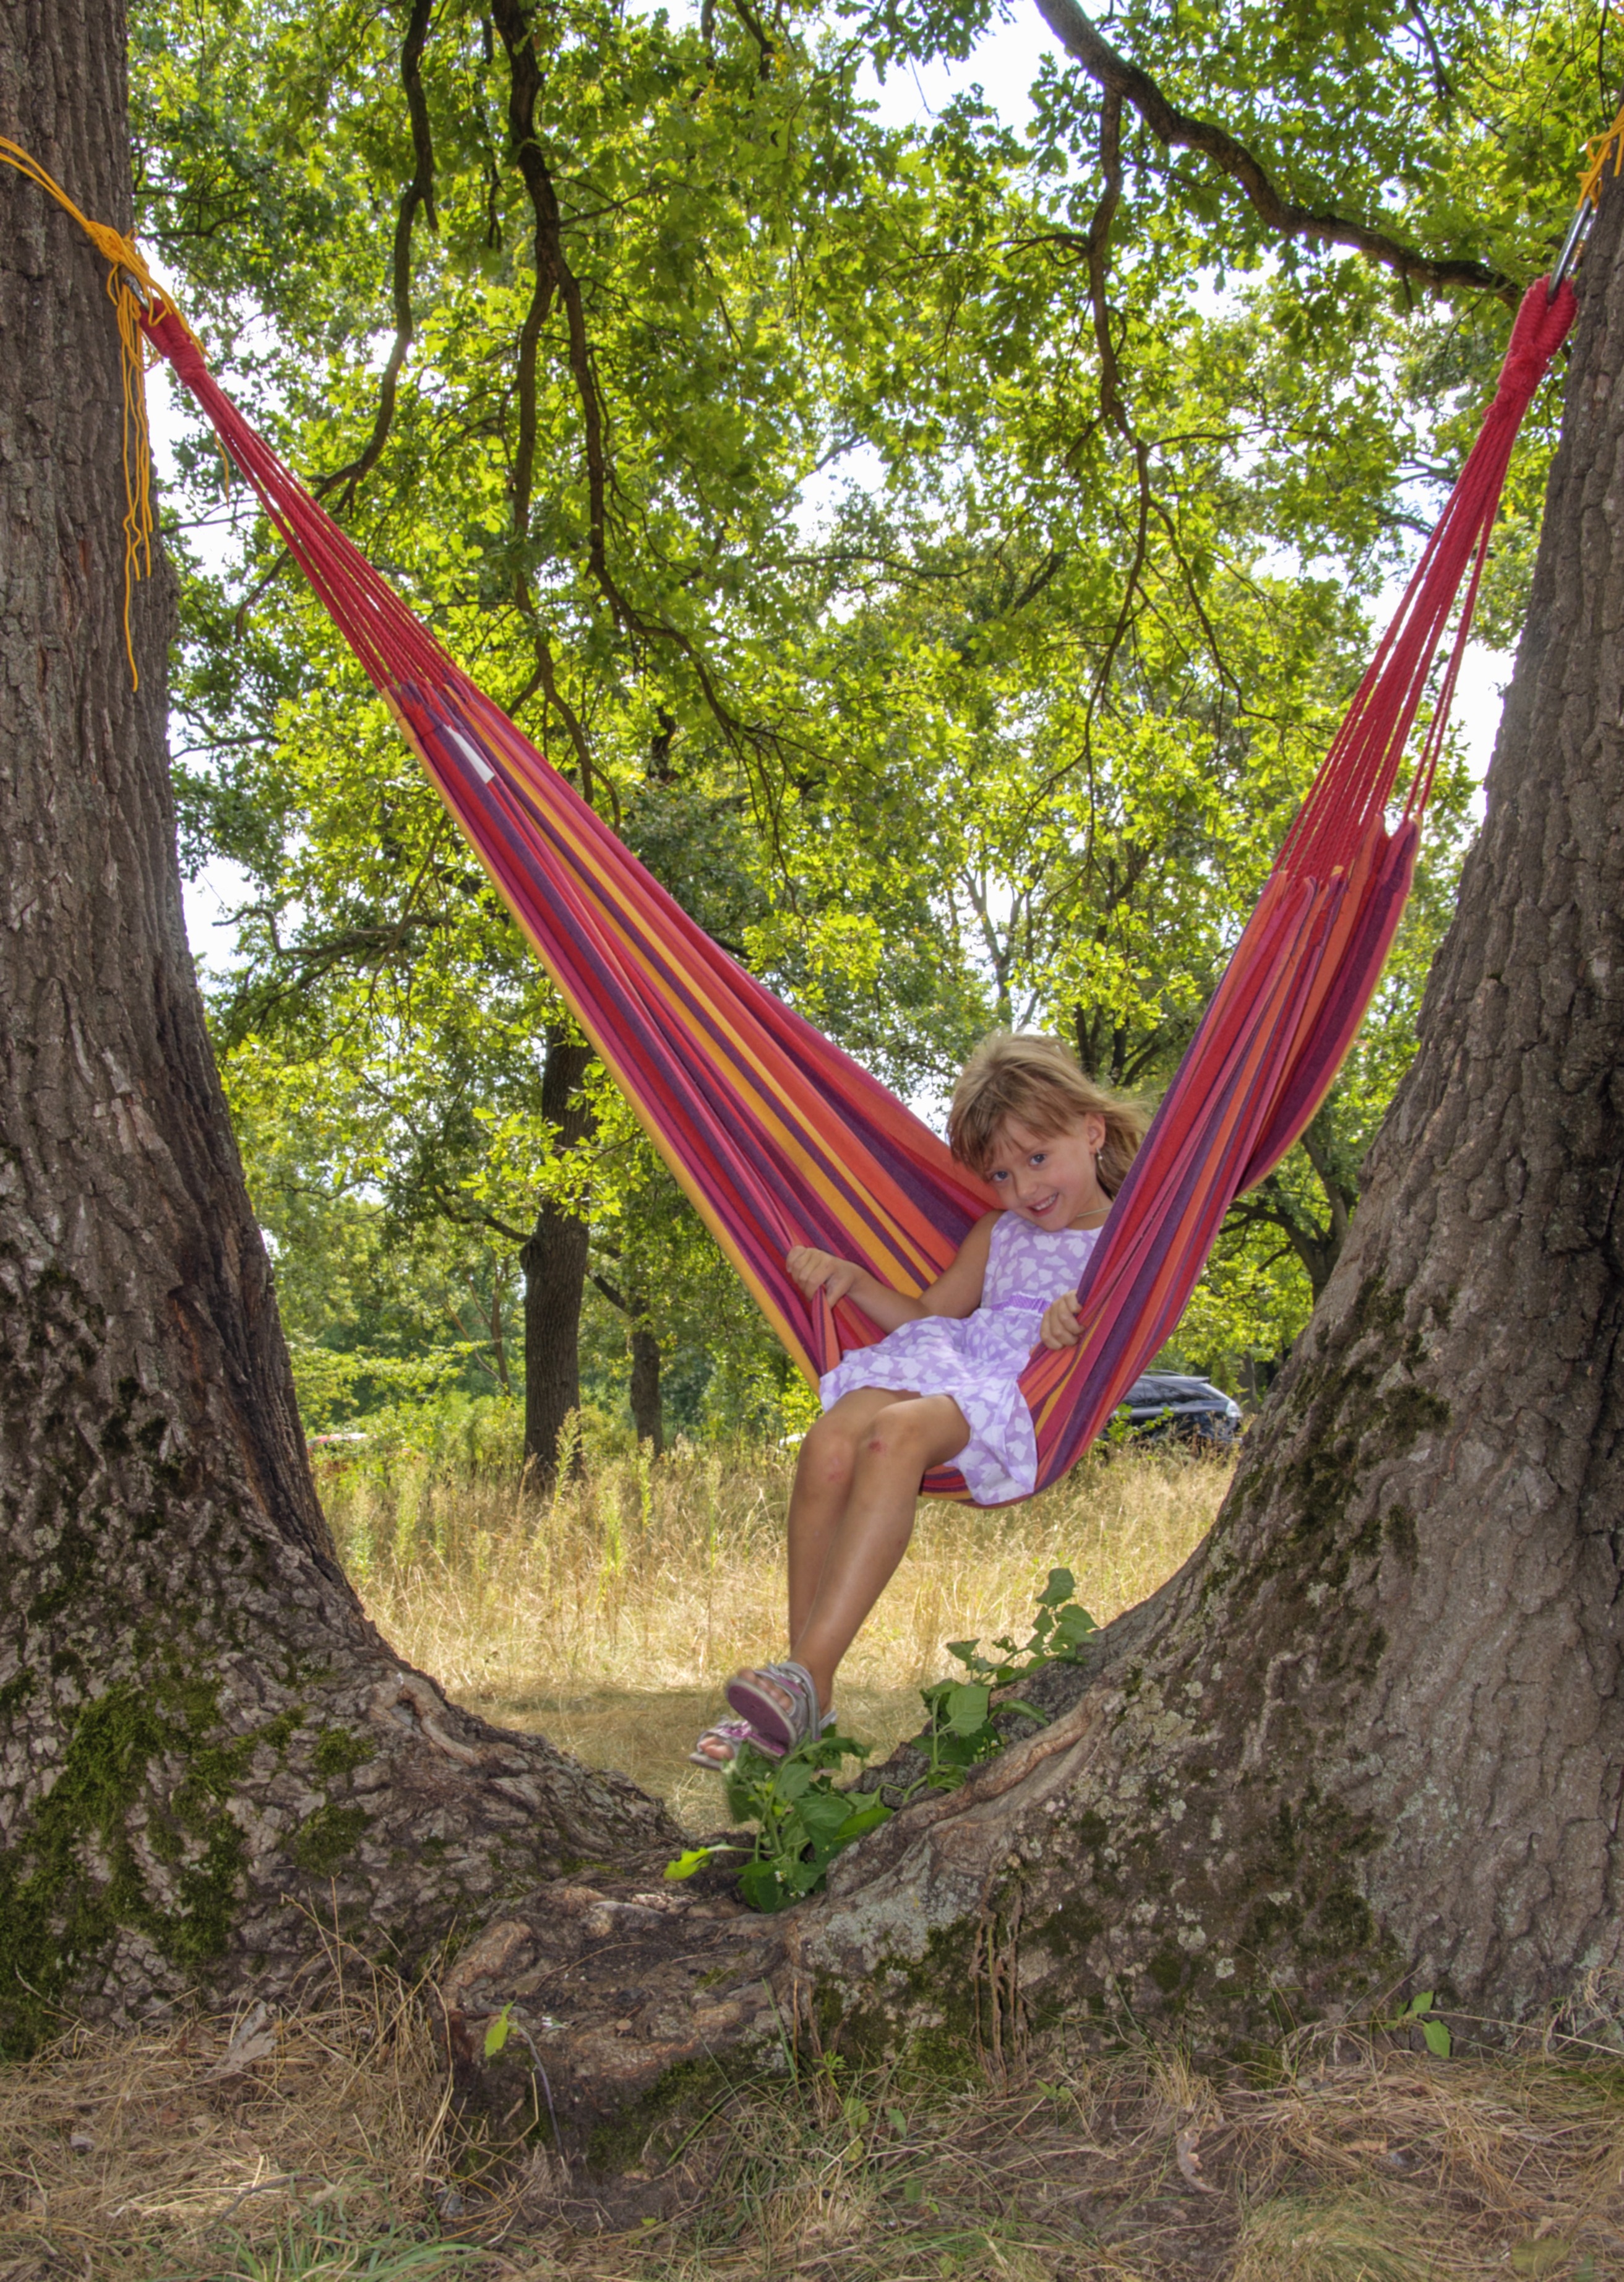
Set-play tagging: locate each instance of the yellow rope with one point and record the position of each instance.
(1598, 150)
(126, 262)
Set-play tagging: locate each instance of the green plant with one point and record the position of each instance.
(1418, 2013)
(961, 1727)
(317, 2250)
(801, 1821)
(696, 1858)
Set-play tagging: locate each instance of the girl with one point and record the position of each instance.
(945, 1383)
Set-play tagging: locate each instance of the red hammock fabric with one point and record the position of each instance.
(779, 1137)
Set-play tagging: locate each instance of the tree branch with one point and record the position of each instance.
(1126, 83)
(419, 192)
(552, 270)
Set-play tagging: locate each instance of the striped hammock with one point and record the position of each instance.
(778, 1137)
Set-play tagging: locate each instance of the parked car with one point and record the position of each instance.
(1164, 1407)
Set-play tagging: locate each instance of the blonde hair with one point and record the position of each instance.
(1036, 1081)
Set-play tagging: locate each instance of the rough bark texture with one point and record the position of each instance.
(555, 1265)
(200, 1735)
(1371, 1738)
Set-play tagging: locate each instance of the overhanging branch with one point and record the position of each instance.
(419, 192)
(1126, 83)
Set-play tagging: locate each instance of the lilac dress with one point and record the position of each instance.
(978, 1359)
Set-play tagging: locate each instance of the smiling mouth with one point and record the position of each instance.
(1047, 1206)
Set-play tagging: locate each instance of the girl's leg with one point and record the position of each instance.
(824, 1475)
(909, 1436)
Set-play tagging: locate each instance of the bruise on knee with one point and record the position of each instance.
(894, 1434)
(827, 1452)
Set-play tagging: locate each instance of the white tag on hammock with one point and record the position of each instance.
(472, 755)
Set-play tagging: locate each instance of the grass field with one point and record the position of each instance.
(609, 1617)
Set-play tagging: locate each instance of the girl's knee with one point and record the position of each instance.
(827, 1451)
(898, 1434)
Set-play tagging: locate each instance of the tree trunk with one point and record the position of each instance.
(1370, 1739)
(554, 1264)
(202, 1739)
(647, 1409)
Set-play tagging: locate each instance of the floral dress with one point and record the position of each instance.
(978, 1359)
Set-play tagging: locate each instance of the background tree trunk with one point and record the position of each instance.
(554, 1264)
(644, 1396)
(198, 1729)
(647, 1407)
(1370, 1739)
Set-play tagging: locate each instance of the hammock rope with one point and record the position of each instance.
(138, 299)
(774, 1133)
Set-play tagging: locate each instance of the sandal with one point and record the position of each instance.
(782, 1730)
(733, 1733)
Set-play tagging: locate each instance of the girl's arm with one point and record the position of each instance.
(957, 1292)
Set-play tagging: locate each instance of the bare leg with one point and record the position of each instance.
(909, 1435)
(851, 1516)
(823, 1476)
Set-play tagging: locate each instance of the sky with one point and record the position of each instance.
(1003, 64)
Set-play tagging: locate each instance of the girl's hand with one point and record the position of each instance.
(1059, 1327)
(821, 1272)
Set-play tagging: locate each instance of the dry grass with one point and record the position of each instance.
(252, 2147)
(334, 2157)
(610, 1614)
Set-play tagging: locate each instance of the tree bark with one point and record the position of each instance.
(203, 1741)
(1370, 1739)
(554, 1264)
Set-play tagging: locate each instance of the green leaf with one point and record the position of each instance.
(1542, 2256)
(496, 2032)
(825, 1813)
(695, 1858)
(1419, 2005)
(762, 1888)
(1073, 1625)
(1060, 1586)
(966, 1707)
(1438, 2039)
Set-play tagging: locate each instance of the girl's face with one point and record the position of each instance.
(1049, 1178)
